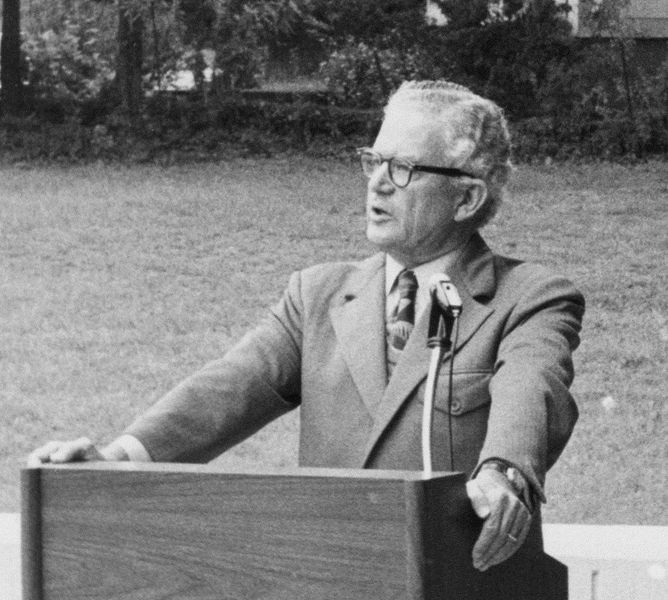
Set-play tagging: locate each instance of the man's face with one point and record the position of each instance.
(414, 224)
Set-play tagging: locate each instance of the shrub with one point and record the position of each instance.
(503, 55)
(65, 68)
(359, 75)
(34, 140)
(594, 104)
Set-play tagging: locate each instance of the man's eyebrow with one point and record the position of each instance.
(397, 155)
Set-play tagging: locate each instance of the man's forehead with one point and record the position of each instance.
(413, 133)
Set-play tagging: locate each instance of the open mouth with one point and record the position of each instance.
(379, 212)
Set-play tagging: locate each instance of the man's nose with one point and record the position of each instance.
(380, 182)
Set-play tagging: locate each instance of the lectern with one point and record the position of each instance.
(120, 531)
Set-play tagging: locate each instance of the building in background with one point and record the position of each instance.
(646, 21)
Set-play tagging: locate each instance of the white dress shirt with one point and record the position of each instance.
(423, 274)
(135, 450)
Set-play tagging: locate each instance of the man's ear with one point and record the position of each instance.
(471, 201)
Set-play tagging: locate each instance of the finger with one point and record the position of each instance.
(509, 539)
(489, 533)
(488, 539)
(512, 538)
(80, 449)
(42, 454)
(525, 525)
(503, 544)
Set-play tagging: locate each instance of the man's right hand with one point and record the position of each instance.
(81, 449)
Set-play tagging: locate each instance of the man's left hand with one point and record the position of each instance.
(507, 519)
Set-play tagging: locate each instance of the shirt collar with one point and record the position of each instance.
(423, 272)
(392, 270)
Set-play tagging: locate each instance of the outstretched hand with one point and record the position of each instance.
(507, 519)
(81, 449)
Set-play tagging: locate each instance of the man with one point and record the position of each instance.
(347, 342)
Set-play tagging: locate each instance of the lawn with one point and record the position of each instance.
(117, 282)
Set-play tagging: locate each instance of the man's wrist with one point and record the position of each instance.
(518, 482)
(126, 447)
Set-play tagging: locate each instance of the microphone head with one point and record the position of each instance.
(437, 280)
(444, 292)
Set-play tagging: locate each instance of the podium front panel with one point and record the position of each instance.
(116, 531)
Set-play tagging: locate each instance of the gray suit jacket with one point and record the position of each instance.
(323, 347)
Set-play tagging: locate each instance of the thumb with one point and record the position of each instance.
(478, 499)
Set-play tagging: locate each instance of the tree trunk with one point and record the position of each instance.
(10, 58)
(130, 58)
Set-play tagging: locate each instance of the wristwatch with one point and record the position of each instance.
(518, 482)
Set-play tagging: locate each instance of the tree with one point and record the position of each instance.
(130, 57)
(10, 58)
(382, 24)
(608, 19)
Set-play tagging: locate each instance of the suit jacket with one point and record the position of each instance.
(322, 347)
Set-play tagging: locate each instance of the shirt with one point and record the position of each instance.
(423, 273)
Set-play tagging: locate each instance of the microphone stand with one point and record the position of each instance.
(441, 323)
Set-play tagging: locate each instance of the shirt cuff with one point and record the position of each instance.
(133, 448)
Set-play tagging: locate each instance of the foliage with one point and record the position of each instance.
(182, 127)
(592, 106)
(501, 54)
(221, 36)
(381, 24)
(198, 19)
(606, 18)
(563, 98)
(506, 58)
(65, 66)
(40, 16)
(11, 80)
(360, 75)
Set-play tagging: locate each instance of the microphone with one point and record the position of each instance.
(445, 294)
(446, 306)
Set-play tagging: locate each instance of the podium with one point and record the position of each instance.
(122, 531)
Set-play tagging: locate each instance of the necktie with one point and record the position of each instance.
(401, 323)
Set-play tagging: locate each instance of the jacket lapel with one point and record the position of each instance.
(359, 324)
(474, 277)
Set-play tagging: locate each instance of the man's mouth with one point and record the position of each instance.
(377, 211)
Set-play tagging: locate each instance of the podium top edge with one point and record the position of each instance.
(245, 471)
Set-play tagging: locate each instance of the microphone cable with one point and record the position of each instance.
(451, 374)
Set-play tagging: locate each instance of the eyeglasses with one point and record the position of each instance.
(400, 169)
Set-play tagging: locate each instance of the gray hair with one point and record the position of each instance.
(478, 139)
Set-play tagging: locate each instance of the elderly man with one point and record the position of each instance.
(347, 341)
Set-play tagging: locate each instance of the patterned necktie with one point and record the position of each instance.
(401, 323)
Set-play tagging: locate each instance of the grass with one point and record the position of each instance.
(117, 282)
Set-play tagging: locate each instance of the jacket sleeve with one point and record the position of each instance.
(532, 412)
(256, 381)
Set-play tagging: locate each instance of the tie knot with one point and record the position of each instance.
(407, 284)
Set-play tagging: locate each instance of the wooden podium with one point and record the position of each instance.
(120, 531)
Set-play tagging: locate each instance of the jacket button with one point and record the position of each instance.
(456, 406)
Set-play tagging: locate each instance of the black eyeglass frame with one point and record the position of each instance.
(447, 171)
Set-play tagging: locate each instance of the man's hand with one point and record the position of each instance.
(507, 519)
(63, 452)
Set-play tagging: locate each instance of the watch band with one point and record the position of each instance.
(517, 481)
